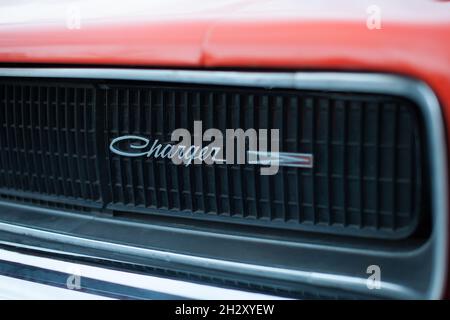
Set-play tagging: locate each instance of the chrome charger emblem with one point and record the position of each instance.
(251, 147)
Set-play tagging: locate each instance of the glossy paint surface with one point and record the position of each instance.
(414, 38)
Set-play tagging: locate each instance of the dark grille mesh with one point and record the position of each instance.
(367, 170)
(48, 142)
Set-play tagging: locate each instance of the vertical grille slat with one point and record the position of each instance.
(44, 151)
(142, 114)
(18, 148)
(268, 199)
(377, 166)
(328, 136)
(394, 168)
(344, 164)
(31, 114)
(78, 145)
(311, 105)
(131, 181)
(255, 172)
(25, 145)
(54, 156)
(226, 190)
(361, 164)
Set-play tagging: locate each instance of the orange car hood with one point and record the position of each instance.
(414, 38)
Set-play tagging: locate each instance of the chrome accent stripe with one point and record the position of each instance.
(415, 90)
(168, 286)
(282, 159)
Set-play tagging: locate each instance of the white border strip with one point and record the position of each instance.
(157, 284)
(18, 289)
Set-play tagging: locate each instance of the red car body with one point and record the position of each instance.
(414, 38)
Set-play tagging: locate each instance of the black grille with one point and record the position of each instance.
(48, 143)
(366, 179)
